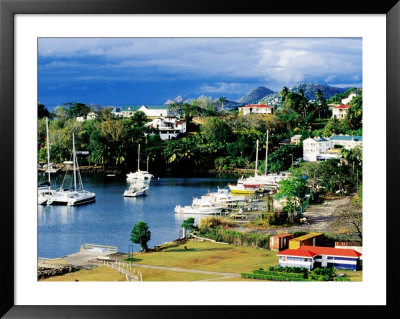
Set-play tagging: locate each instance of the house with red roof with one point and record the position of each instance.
(256, 109)
(340, 111)
(316, 257)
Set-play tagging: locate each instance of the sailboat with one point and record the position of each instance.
(76, 195)
(139, 176)
(44, 189)
(257, 182)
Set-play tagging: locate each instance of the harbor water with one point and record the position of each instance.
(109, 220)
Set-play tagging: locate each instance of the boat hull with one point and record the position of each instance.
(198, 211)
(241, 190)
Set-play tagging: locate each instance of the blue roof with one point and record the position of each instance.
(346, 138)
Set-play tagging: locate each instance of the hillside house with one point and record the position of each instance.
(349, 98)
(316, 148)
(347, 141)
(256, 109)
(169, 127)
(316, 257)
(128, 111)
(89, 116)
(340, 111)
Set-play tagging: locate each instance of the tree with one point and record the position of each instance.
(222, 100)
(141, 234)
(348, 219)
(353, 120)
(294, 192)
(322, 105)
(188, 225)
(42, 111)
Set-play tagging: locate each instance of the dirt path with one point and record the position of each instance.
(221, 274)
(318, 216)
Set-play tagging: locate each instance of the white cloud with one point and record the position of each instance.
(278, 61)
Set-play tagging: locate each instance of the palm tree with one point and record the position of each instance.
(222, 100)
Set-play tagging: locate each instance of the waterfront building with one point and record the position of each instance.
(347, 141)
(256, 109)
(316, 257)
(319, 149)
(316, 147)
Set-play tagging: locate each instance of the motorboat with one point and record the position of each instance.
(199, 206)
(223, 198)
(75, 195)
(244, 189)
(136, 190)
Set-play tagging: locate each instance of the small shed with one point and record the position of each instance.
(311, 239)
(280, 241)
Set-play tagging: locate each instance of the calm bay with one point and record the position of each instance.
(109, 220)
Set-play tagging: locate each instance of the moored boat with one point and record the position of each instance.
(199, 206)
(75, 195)
(139, 176)
(136, 190)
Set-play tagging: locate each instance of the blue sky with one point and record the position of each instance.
(135, 71)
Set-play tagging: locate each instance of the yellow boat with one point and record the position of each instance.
(241, 189)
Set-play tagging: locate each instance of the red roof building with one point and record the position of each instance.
(316, 256)
(340, 111)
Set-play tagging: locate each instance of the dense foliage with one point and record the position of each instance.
(220, 140)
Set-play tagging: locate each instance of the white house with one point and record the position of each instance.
(123, 111)
(256, 109)
(314, 147)
(349, 98)
(169, 127)
(317, 149)
(315, 257)
(340, 111)
(347, 141)
(153, 112)
(128, 111)
(89, 116)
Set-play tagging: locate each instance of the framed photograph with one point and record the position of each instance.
(159, 156)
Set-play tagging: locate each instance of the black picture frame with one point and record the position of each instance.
(9, 8)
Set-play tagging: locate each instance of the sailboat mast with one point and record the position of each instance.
(147, 168)
(48, 149)
(266, 155)
(74, 158)
(138, 158)
(255, 171)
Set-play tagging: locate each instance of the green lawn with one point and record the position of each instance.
(209, 256)
(353, 275)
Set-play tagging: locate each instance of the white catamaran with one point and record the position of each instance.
(76, 195)
(139, 176)
(44, 189)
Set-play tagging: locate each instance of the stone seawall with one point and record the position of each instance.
(43, 272)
